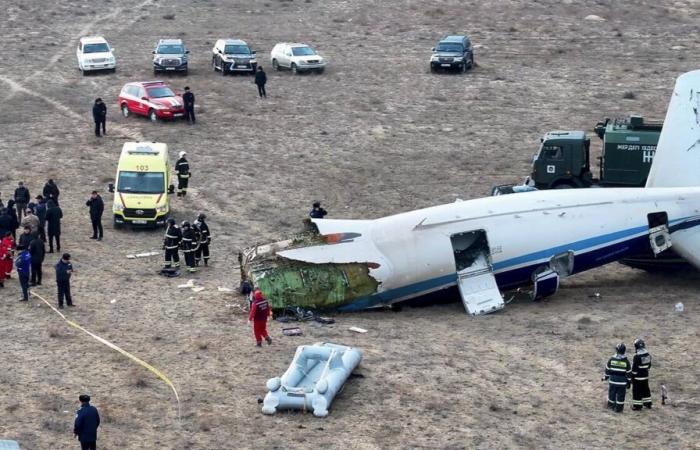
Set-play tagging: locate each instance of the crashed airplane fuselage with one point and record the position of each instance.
(493, 244)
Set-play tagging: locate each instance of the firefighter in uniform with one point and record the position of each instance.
(617, 372)
(182, 168)
(171, 244)
(204, 239)
(641, 396)
(189, 244)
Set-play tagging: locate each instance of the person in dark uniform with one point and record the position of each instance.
(37, 252)
(641, 363)
(317, 212)
(188, 99)
(40, 209)
(204, 240)
(87, 420)
(99, 114)
(617, 372)
(51, 191)
(5, 222)
(97, 207)
(182, 168)
(260, 81)
(23, 264)
(171, 245)
(53, 220)
(22, 198)
(24, 238)
(14, 220)
(189, 244)
(64, 270)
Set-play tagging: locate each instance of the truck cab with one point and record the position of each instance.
(563, 161)
(142, 185)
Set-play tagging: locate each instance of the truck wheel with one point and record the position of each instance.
(125, 110)
(275, 65)
(294, 69)
(152, 115)
(564, 186)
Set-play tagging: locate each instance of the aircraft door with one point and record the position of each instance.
(659, 236)
(475, 279)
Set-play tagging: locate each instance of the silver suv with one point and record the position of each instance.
(170, 55)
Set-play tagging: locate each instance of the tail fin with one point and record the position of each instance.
(677, 159)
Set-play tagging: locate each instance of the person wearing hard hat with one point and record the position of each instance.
(617, 372)
(259, 312)
(641, 363)
(182, 168)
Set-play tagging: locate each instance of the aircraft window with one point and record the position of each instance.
(552, 152)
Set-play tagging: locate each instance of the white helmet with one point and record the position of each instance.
(182, 154)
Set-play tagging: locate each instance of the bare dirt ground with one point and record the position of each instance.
(376, 134)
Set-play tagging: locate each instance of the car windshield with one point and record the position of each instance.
(160, 91)
(171, 50)
(141, 182)
(95, 48)
(237, 50)
(302, 51)
(449, 47)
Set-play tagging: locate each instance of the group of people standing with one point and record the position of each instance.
(621, 375)
(193, 239)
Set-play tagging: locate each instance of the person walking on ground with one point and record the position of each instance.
(64, 270)
(317, 212)
(188, 100)
(171, 245)
(204, 240)
(23, 264)
(6, 248)
(189, 242)
(259, 312)
(87, 420)
(260, 81)
(182, 168)
(40, 209)
(37, 251)
(30, 220)
(51, 191)
(641, 363)
(617, 372)
(97, 207)
(53, 221)
(99, 114)
(21, 199)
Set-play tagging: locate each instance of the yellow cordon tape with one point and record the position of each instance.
(141, 362)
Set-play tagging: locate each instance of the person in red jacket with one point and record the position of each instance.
(7, 246)
(259, 312)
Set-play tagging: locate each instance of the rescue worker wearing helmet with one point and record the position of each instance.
(189, 245)
(202, 252)
(617, 372)
(171, 245)
(641, 363)
(182, 169)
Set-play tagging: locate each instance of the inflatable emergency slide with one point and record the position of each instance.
(313, 379)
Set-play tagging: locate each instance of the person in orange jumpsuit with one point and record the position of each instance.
(259, 312)
(7, 246)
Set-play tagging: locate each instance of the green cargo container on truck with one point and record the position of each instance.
(563, 160)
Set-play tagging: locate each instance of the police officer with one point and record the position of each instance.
(182, 168)
(317, 212)
(171, 245)
(188, 99)
(87, 420)
(204, 240)
(617, 372)
(641, 396)
(189, 245)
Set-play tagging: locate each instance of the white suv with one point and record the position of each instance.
(94, 53)
(296, 57)
(233, 55)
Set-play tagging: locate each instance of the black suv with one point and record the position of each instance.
(452, 52)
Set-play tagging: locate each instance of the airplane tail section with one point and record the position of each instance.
(677, 159)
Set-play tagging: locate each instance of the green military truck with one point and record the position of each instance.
(564, 161)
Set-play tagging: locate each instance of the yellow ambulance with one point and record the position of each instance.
(141, 194)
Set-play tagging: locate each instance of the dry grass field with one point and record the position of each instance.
(376, 134)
